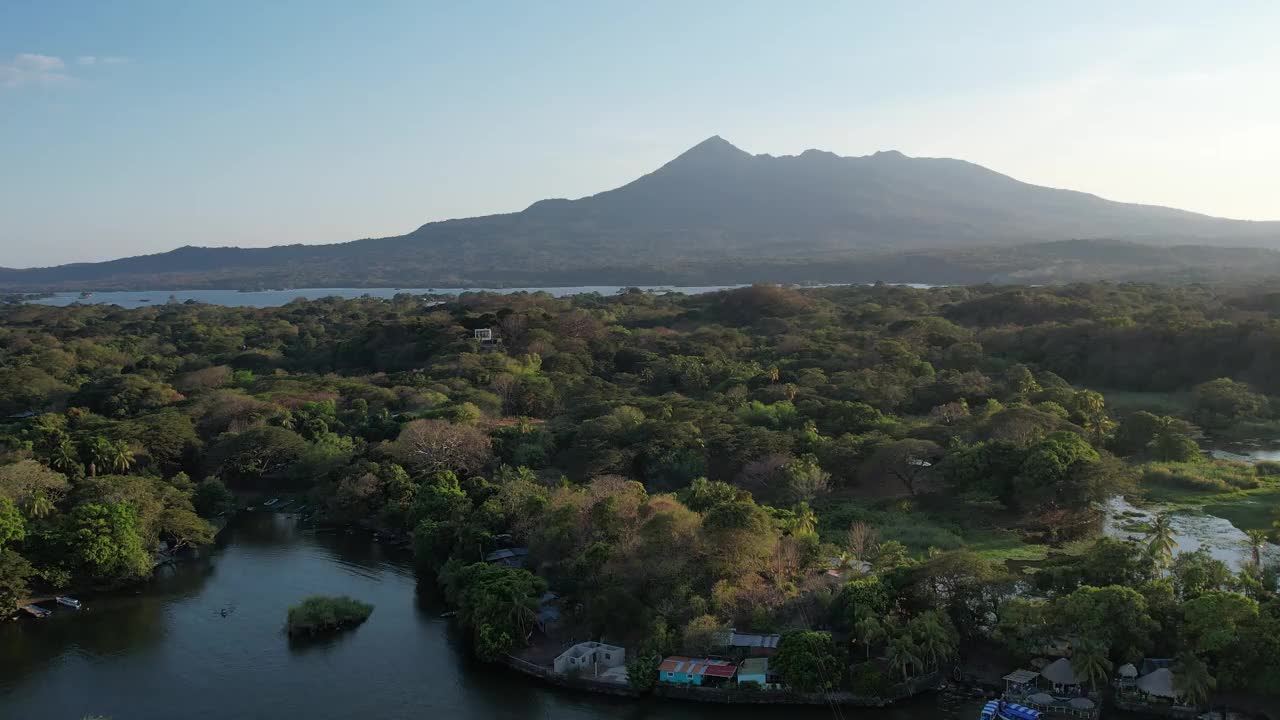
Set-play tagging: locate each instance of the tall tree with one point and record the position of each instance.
(1257, 540)
(1089, 659)
(1191, 679)
(904, 655)
(869, 631)
(1161, 542)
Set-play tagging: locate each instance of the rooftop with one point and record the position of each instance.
(737, 639)
(1022, 677)
(698, 666)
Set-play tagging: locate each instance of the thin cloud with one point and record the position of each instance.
(101, 60)
(32, 69)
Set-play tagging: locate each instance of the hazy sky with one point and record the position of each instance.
(134, 127)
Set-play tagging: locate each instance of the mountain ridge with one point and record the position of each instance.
(712, 203)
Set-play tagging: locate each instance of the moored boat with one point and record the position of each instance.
(1001, 710)
(69, 602)
(36, 611)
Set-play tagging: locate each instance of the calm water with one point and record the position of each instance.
(1191, 532)
(275, 298)
(167, 652)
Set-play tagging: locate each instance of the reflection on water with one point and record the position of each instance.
(1247, 453)
(205, 640)
(1192, 531)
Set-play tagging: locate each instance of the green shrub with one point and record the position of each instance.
(866, 680)
(1208, 477)
(1267, 468)
(320, 613)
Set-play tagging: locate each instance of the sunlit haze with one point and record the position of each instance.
(137, 127)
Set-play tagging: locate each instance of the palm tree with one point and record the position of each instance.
(869, 631)
(120, 458)
(1191, 679)
(935, 641)
(1257, 541)
(63, 457)
(904, 655)
(806, 520)
(523, 610)
(1089, 660)
(1161, 543)
(99, 452)
(39, 505)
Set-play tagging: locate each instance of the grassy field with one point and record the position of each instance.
(1003, 546)
(1194, 484)
(923, 530)
(1255, 511)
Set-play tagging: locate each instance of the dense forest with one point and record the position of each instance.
(879, 472)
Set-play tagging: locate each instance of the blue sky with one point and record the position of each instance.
(136, 127)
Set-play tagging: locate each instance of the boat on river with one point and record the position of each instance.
(1001, 710)
(36, 611)
(69, 602)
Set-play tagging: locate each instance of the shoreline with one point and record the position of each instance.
(159, 559)
(930, 682)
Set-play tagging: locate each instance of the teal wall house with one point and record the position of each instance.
(678, 670)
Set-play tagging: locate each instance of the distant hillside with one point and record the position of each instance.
(718, 214)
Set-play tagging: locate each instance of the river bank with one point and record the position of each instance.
(165, 649)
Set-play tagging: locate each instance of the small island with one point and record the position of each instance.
(323, 613)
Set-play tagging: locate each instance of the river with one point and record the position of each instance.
(166, 650)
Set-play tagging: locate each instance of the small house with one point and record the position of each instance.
(679, 670)
(1021, 683)
(590, 659)
(1157, 684)
(510, 557)
(755, 644)
(756, 670)
(1061, 675)
(484, 335)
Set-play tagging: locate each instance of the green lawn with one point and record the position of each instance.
(1003, 546)
(1256, 511)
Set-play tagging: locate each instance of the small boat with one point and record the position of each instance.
(271, 502)
(36, 611)
(448, 614)
(69, 602)
(1001, 710)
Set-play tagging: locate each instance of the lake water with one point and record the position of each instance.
(276, 298)
(1245, 453)
(1191, 532)
(166, 651)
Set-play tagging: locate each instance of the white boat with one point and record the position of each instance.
(69, 602)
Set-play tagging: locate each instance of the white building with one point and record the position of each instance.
(590, 659)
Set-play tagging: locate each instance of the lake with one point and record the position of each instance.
(166, 650)
(276, 298)
(1192, 531)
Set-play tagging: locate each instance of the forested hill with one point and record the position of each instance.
(719, 214)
